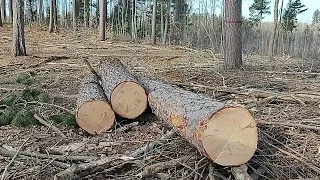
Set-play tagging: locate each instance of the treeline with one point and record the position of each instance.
(197, 23)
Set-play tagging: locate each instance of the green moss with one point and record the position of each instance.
(24, 118)
(66, 119)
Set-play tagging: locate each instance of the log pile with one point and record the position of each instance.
(226, 134)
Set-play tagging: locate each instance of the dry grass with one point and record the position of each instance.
(55, 61)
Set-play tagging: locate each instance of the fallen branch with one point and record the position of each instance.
(149, 146)
(5, 152)
(12, 160)
(292, 125)
(240, 172)
(42, 121)
(82, 170)
(158, 167)
(126, 127)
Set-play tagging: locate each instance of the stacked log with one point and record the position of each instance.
(127, 97)
(225, 134)
(94, 114)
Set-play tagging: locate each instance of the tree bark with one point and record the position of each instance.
(41, 11)
(166, 24)
(225, 134)
(55, 14)
(153, 23)
(161, 21)
(74, 15)
(10, 11)
(126, 96)
(102, 22)
(3, 10)
(19, 47)
(274, 32)
(0, 19)
(94, 114)
(51, 16)
(30, 11)
(85, 13)
(233, 39)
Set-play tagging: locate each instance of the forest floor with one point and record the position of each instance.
(289, 121)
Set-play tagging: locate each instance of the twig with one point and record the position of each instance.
(5, 152)
(155, 168)
(292, 125)
(143, 149)
(240, 172)
(12, 160)
(126, 127)
(82, 170)
(53, 105)
(42, 121)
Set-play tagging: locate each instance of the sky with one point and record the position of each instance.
(312, 5)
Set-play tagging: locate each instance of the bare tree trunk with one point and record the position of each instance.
(74, 15)
(132, 20)
(40, 11)
(161, 20)
(278, 31)
(19, 47)
(0, 19)
(275, 21)
(85, 13)
(51, 17)
(233, 40)
(102, 24)
(154, 15)
(166, 24)
(3, 10)
(10, 10)
(55, 14)
(90, 14)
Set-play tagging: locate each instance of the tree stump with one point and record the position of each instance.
(94, 114)
(225, 134)
(127, 97)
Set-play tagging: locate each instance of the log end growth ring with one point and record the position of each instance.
(129, 99)
(95, 116)
(230, 137)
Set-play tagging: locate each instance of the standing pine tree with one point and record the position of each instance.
(258, 9)
(290, 15)
(316, 18)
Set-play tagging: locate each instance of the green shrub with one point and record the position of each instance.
(25, 79)
(6, 115)
(24, 118)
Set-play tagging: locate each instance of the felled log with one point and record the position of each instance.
(94, 114)
(225, 134)
(127, 97)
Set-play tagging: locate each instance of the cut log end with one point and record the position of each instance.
(95, 116)
(129, 100)
(230, 137)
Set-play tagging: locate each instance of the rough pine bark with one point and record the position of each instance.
(102, 21)
(233, 39)
(94, 114)
(0, 19)
(10, 10)
(19, 47)
(153, 23)
(3, 10)
(127, 97)
(166, 24)
(51, 16)
(274, 32)
(85, 13)
(30, 11)
(40, 11)
(74, 15)
(225, 134)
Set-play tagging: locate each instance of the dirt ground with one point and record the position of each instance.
(286, 150)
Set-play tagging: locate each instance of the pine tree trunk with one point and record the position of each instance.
(74, 15)
(274, 32)
(40, 11)
(85, 13)
(225, 134)
(0, 19)
(30, 11)
(153, 23)
(233, 39)
(166, 24)
(276, 43)
(132, 21)
(3, 10)
(94, 114)
(102, 23)
(10, 10)
(126, 96)
(51, 16)
(55, 14)
(161, 20)
(19, 47)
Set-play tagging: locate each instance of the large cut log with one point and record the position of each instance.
(94, 114)
(225, 134)
(127, 97)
